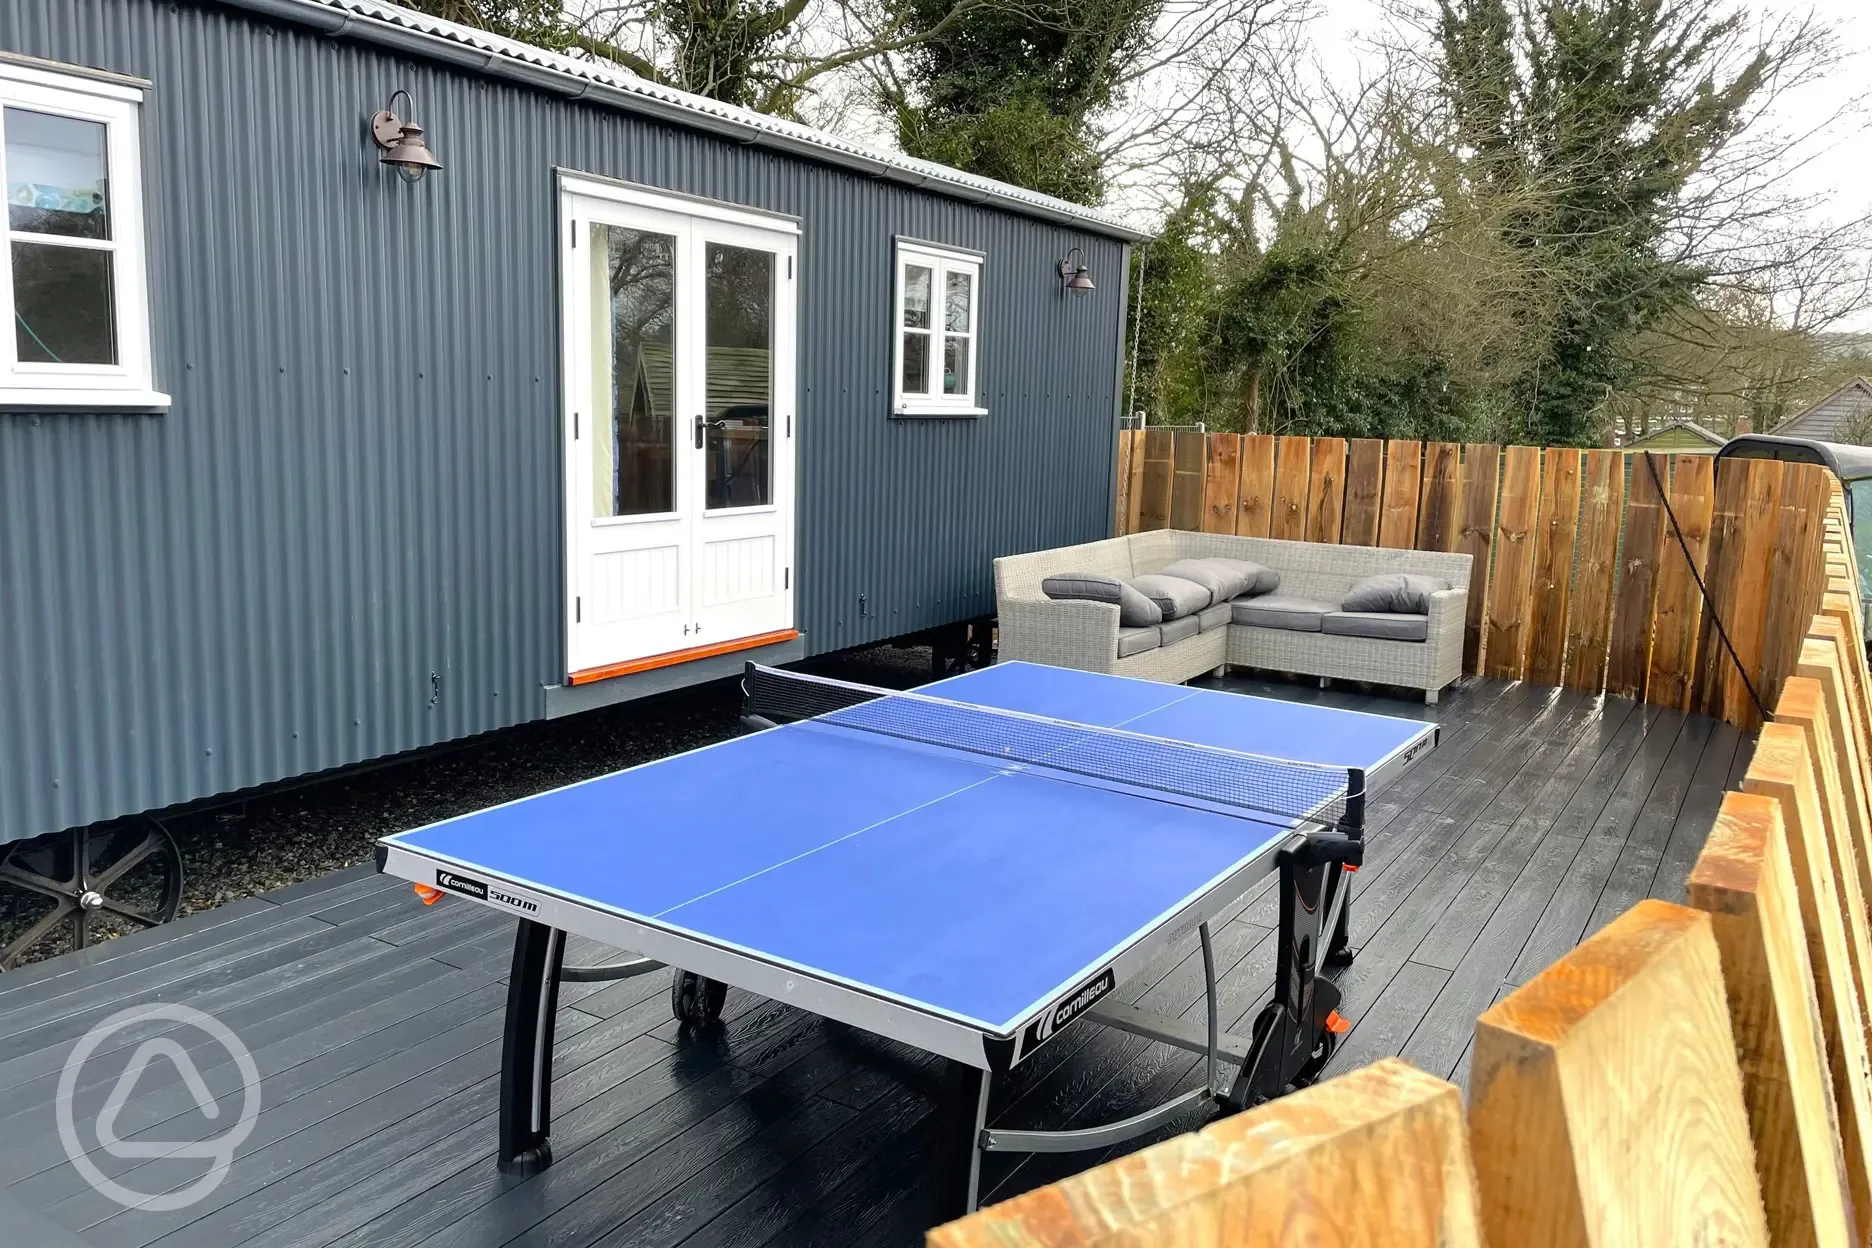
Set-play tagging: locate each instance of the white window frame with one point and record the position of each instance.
(942, 261)
(130, 382)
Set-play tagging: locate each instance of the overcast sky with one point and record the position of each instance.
(1841, 178)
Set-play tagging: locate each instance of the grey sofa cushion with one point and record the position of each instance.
(1403, 592)
(1263, 579)
(1214, 617)
(1301, 615)
(1134, 609)
(1137, 640)
(1179, 629)
(1173, 595)
(1223, 578)
(1388, 625)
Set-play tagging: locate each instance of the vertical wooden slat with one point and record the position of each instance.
(1326, 490)
(1397, 526)
(1122, 507)
(1822, 662)
(1589, 621)
(1186, 498)
(1293, 464)
(1510, 585)
(1481, 483)
(1742, 536)
(1677, 610)
(1437, 526)
(1630, 656)
(1159, 478)
(1364, 492)
(1221, 483)
(1781, 770)
(1605, 1102)
(1744, 880)
(1556, 532)
(1134, 472)
(1796, 567)
(1254, 506)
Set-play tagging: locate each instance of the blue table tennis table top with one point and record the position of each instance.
(942, 879)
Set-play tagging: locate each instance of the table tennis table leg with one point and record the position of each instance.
(526, 1049)
(962, 1116)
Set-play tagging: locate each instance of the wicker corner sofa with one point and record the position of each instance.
(1085, 635)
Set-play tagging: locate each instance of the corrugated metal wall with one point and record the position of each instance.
(344, 541)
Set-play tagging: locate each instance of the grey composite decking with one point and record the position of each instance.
(375, 1024)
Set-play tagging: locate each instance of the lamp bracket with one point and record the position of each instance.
(385, 128)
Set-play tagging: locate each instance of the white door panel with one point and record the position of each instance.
(679, 357)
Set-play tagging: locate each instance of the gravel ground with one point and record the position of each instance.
(299, 833)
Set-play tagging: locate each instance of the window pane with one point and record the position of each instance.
(62, 305)
(56, 175)
(959, 288)
(633, 371)
(955, 364)
(739, 384)
(915, 362)
(916, 301)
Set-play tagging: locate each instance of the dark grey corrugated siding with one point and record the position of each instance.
(358, 484)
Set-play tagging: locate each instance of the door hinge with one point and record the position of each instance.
(578, 610)
(573, 226)
(786, 578)
(789, 424)
(575, 426)
(789, 268)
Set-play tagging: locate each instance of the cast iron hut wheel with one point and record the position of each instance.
(89, 884)
(697, 1002)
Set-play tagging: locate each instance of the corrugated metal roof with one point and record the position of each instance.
(498, 57)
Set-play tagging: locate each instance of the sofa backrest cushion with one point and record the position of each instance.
(1223, 579)
(1393, 593)
(1174, 596)
(1313, 570)
(1134, 609)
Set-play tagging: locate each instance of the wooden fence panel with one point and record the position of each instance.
(1630, 656)
(1796, 571)
(1677, 611)
(1254, 507)
(1620, 1050)
(1556, 532)
(1293, 464)
(1397, 524)
(1186, 498)
(1159, 478)
(1510, 585)
(1377, 1157)
(1221, 483)
(1481, 484)
(1782, 771)
(1744, 880)
(1823, 661)
(1589, 621)
(1364, 490)
(1742, 533)
(1437, 525)
(1326, 490)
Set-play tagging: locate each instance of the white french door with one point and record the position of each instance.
(679, 356)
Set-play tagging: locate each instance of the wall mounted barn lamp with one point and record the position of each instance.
(1073, 276)
(402, 141)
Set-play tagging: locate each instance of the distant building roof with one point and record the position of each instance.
(1676, 435)
(1822, 422)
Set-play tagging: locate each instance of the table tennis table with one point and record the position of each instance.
(970, 868)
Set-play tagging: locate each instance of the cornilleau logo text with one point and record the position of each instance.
(1078, 1002)
(462, 884)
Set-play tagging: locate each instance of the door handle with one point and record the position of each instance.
(704, 423)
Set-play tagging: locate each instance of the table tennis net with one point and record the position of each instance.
(1257, 786)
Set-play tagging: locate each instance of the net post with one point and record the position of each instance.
(1355, 803)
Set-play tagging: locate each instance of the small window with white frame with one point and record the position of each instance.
(938, 330)
(73, 281)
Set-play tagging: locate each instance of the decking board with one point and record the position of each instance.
(376, 1021)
